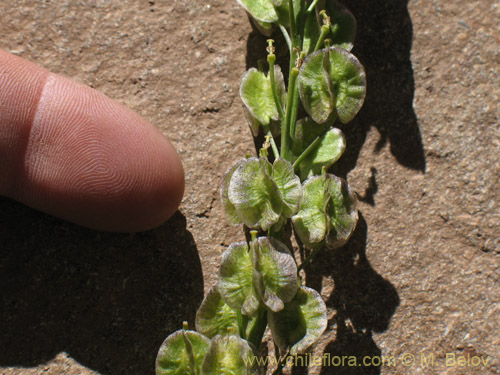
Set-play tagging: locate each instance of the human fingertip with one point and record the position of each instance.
(78, 155)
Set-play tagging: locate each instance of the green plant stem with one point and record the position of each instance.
(300, 22)
(312, 6)
(311, 255)
(287, 37)
(311, 147)
(272, 142)
(273, 146)
(259, 327)
(296, 32)
(306, 152)
(285, 131)
(296, 41)
(242, 324)
(324, 32)
(293, 28)
(271, 58)
(295, 110)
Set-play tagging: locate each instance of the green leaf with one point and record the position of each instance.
(261, 10)
(328, 212)
(289, 186)
(342, 212)
(343, 27)
(283, 13)
(275, 127)
(276, 272)
(265, 28)
(348, 78)
(310, 222)
(236, 279)
(306, 131)
(300, 324)
(279, 81)
(257, 95)
(283, 10)
(229, 208)
(277, 227)
(229, 355)
(215, 317)
(182, 353)
(268, 274)
(253, 123)
(330, 148)
(254, 194)
(332, 84)
(313, 88)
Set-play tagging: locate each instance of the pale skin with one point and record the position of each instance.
(72, 152)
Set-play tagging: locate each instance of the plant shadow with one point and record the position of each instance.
(383, 45)
(363, 300)
(108, 300)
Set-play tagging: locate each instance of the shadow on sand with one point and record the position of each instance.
(108, 300)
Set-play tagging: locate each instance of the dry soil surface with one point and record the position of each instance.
(420, 277)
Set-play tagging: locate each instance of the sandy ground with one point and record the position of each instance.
(420, 277)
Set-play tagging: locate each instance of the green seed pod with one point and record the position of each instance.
(328, 212)
(229, 208)
(275, 272)
(182, 352)
(254, 194)
(300, 323)
(257, 95)
(261, 10)
(229, 355)
(329, 147)
(289, 186)
(265, 273)
(332, 83)
(236, 279)
(259, 194)
(215, 317)
(343, 26)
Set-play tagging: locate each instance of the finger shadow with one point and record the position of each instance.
(108, 300)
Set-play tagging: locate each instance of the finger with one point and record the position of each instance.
(72, 152)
